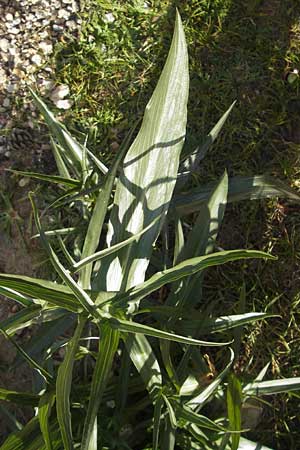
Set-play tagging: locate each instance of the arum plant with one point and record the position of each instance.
(134, 373)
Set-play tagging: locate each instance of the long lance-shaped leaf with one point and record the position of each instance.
(134, 327)
(156, 422)
(61, 166)
(100, 210)
(201, 240)
(71, 148)
(193, 158)
(21, 319)
(143, 358)
(56, 294)
(63, 387)
(198, 401)
(184, 412)
(150, 168)
(48, 378)
(110, 250)
(272, 387)
(50, 178)
(44, 411)
(239, 188)
(14, 295)
(79, 293)
(220, 324)
(186, 268)
(107, 348)
(23, 398)
(234, 406)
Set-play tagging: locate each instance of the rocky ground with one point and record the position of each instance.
(29, 31)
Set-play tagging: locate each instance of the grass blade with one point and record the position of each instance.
(79, 293)
(234, 405)
(272, 387)
(69, 182)
(44, 411)
(143, 358)
(55, 294)
(239, 188)
(22, 398)
(203, 397)
(107, 348)
(187, 268)
(63, 387)
(134, 327)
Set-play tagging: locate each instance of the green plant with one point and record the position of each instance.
(147, 385)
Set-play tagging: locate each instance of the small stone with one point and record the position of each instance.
(2, 149)
(4, 45)
(14, 30)
(6, 102)
(71, 24)
(63, 14)
(63, 104)
(58, 28)
(109, 18)
(11, 88)
(46, 47)
(9, 17)
(7, 154)
(60, 92)
(36, 59)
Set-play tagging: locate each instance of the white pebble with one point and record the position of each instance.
(36, 59)
(109, 18)
(60, 92)
(4, 45)
(63, 104)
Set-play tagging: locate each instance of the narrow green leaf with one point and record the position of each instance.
(71, 148)
(109, 340)
(58, 232)
(21, 319)
(61, 166)
(144, 359)
(224, 323)
(272, 387)
(143, 190)
(50, 178)
(22, 398)
(193, 158)
(234, 405)
(79, 293)
(204, 396)
(184, 412)
(186, 268)
(63, 387)
(110, 250)
(239, 188)
(134, 327)
(171, 411)
(156, 422)
(100, 210)
(44, 411)
(179, 239)
(48, 378)
(56, 294)
(14, 295)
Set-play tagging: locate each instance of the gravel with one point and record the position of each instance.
(29, 31)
